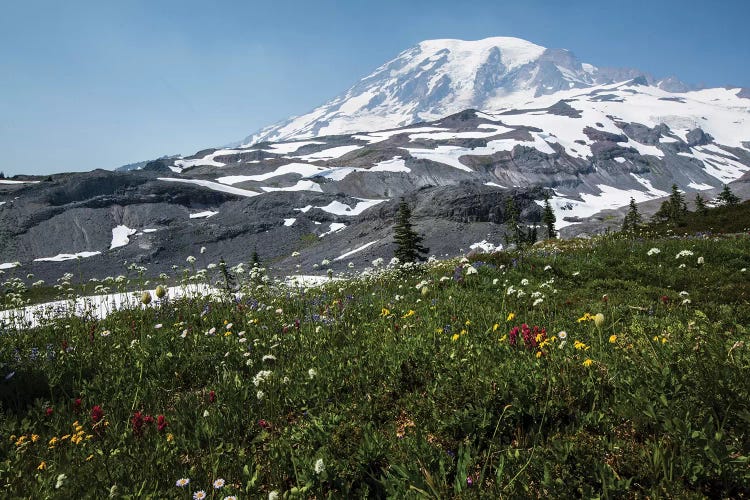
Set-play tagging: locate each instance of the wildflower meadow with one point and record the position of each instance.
(609, 367)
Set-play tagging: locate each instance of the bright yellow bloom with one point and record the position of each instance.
(42, 465)
(511, 317)
(88, 459)
(613, 339)
(468, 322)
(89, 436)
(455, 337)
(581, 346)
(227, 334)
(411, 312)
(538, 337)
(66, 436)
(34, 438)
(384, 312)
(539, 354)
(503, 338)
(464, 332)
(53, 441)
(585, 317)
(495, 327)
(588, 362)
(170, 437)
(20, 440)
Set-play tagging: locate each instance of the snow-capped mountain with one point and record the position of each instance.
(441, 77)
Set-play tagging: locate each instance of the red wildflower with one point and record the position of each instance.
(48, 412)
(212, 397)
(137, 423)
(97, 414)
(664, 299)
(149, 419)
(264, 424)
(161, 423)
(77, 405)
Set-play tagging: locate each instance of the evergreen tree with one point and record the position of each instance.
(255, 258)
(408, 243)
(549, 219)
(2, 175)
(633, 219)
(673, 208)
(513, 223)
(700, 204)
(727, 197)
(531, 234)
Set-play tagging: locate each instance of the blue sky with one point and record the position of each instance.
(97, 84)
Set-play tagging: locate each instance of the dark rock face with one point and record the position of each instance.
(698, 137)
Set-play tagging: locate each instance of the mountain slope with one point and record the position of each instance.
(441, 77)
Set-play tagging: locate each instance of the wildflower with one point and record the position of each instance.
(471, 270)
(199, 495)
(146, 298)
(599, 319)
(586, 317)
(384, 312)
(90, 457)
(684, 253)
(269, 358)
(274, 495)
(260, 395)
(455, 337)
(190, 259)
(219, 484)
(524, 282)
(158, 326)
(613, 339)
(511, 317)
(410, 313)
(701, 261)
(588, 362)
(53, 441)
(537, 302)
(160, 292)
(562, 335)
(261, 376)
(97, 414)
(319, 466)
(203, 250)
(653, 251)
(42, 465)
(161, 423)
(264, 424)
(182, 482)
(60, 481)
(311, 373)
(48, 412)
(580, 346)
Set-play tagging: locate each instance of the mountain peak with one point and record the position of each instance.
(441, 77)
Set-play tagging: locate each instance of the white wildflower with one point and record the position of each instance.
(320, 467)
(653, 251)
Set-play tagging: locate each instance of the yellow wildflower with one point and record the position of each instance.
(468, 322)
(503, 338)
(588, 362)
(53, 441)
(227, 334)
(20, 440)
(42, 465)
(511, 317)
(34, 438)
(88, 459)
(613, 339)
(464, 332)
(66, 436)
(89, 436)
(580, 346)
(170, 437)
(411, 312)
(455, 337)
(495, 327)
(585, 317)
(384, 312)
(539, 354)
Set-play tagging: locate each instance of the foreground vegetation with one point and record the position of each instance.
(613, 368)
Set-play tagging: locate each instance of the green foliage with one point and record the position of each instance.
(673, 209)
(549, 219)
(403, 385)
(727, 197)
(633, 219)
(408, 242)
(700, 205)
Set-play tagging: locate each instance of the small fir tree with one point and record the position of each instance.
(700, 205)
(408, 243)
(633, 218)
(673, 208)
(727, 197)
(514, 232)
(549, 219)
(255, 258)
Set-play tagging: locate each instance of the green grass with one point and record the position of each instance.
(722, 219)
(405, 392)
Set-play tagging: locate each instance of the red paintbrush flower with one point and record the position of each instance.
(212, 397)
(97, 414)
(161, 423)
(137, 423)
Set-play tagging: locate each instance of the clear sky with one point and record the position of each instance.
(98, 84)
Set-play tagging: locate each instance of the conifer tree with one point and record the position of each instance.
(549, 219)
(673, 208)
(700, 205)
(513, 223)
(408, 243)
(727, 197)
(632, 218)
